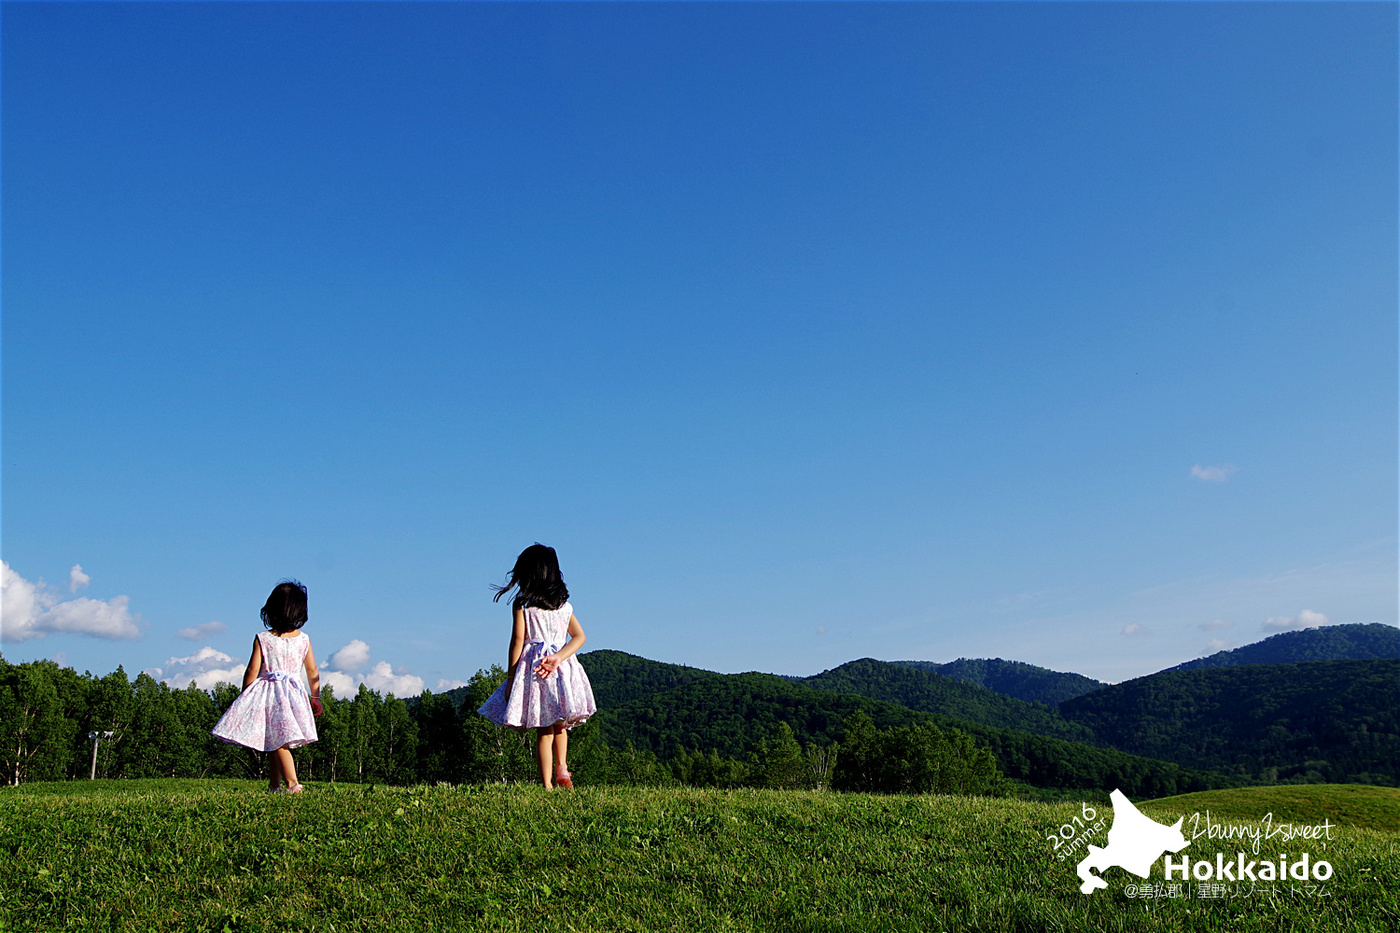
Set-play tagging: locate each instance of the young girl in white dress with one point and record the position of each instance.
(545, 688)
(274, 713)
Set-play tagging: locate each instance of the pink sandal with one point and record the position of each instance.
(564, 779)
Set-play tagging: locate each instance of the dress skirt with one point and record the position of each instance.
(528, 701)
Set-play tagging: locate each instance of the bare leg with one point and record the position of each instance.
(544, 752)
(274, 771)
(288, 767)
(561, 755)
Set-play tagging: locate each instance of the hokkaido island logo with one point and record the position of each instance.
(1135, 841)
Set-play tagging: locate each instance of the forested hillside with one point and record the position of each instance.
(1329, 643)
(1324, 721)
(934, 693)
(731, 713)
(1015, 679)
(1171, 732)
(618, 677)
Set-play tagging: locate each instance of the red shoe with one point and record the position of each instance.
(564, 779)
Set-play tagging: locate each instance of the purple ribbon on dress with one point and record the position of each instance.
(549, 648)
(284, 676)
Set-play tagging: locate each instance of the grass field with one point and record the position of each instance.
(1354, 805)
(222, 856)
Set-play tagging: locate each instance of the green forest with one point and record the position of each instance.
(1354, 642)
(1015, 679)
(728, 713)
(938, 693)
(48, 713)
(1316, 722)
(881, 726)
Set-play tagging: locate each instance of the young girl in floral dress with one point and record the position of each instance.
(274, 713)
(545, 687)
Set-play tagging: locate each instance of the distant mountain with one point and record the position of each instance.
(1329, 721)
(1355, 642)
(1336, 721)
(928, 692)
(1015, 679)
(618, 677)
(731, 713)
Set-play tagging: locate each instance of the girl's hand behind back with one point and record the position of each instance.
(550, 664)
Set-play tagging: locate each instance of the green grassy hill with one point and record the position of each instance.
(1356, 805)
(156, 856)
(1327, 721)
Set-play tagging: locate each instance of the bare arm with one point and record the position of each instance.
(254, 664)
(313, 677)
(576, 640)
(517, 641)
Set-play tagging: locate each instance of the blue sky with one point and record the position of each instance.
(805, 332)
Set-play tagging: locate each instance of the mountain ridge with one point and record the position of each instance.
(1016, 679)
(1312, 721)
(1355, 641)
(731, 713)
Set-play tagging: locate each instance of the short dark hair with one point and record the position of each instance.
(285, 609)
(536, 580)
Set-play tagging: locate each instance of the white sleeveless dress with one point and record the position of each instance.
(274, 710)
(528, 701)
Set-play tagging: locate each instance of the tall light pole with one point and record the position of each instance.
(97, 737)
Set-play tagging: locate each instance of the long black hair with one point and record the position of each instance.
(536, 580)
(285, 609)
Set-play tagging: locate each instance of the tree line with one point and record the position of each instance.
(48, 712)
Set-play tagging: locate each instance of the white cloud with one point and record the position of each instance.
(32, 610)
(1305, 619)
(340, 674)
(444, 685)
(1214, 474)
(821, 629)
(1137, 629)
(1215, 626)
(201, 632)
(343, 684)
(350, 658)
(77, 579)
(1216, 644)
(100, 618)
(19, 606)
(398, 681)
(206, 667)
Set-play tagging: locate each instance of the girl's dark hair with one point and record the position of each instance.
(285, 609)
(536, 580)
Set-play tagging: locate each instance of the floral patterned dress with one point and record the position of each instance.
(274, 710)
(528, 701)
